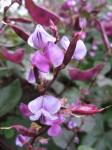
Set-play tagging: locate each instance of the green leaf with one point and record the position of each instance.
(65, 138)
(71, 94)
(5, 71)
(89, 124)
(83, 147)
(9, 133)
(106, 69)
(9, 97)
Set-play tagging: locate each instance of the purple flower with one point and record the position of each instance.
(39, 38)
(55, 129)
(49, 54)
(80, 50)
(72, 124)
(21, 140)
(52, 56)
(44, 107)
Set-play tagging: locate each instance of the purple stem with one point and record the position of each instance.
(103, 34)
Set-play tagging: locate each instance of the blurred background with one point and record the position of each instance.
(96, 131)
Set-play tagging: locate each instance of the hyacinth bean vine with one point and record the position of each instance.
(58, 44)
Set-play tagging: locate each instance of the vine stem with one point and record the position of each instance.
(104, 35)
(44, 129)
(69, 143)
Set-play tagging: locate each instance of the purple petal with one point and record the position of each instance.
(40, 61)
(55, 54)
(30, 41)
(46, 105)
(14, 56)
(24, 110)
(39, 14)
(21, 140)
(39, 38)
(54, 130)
(72, 124)
(80, 50)
(65, 42)
(36, 105)
(35, 117)
(51, 104)
(48, 115)
(30, 77)
(60, 119)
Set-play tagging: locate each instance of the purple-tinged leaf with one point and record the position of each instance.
(40, 15)
(13, 56)
(86, 75)
(24, 35)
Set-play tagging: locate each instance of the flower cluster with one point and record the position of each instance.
(48, 54)
(47, 110)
